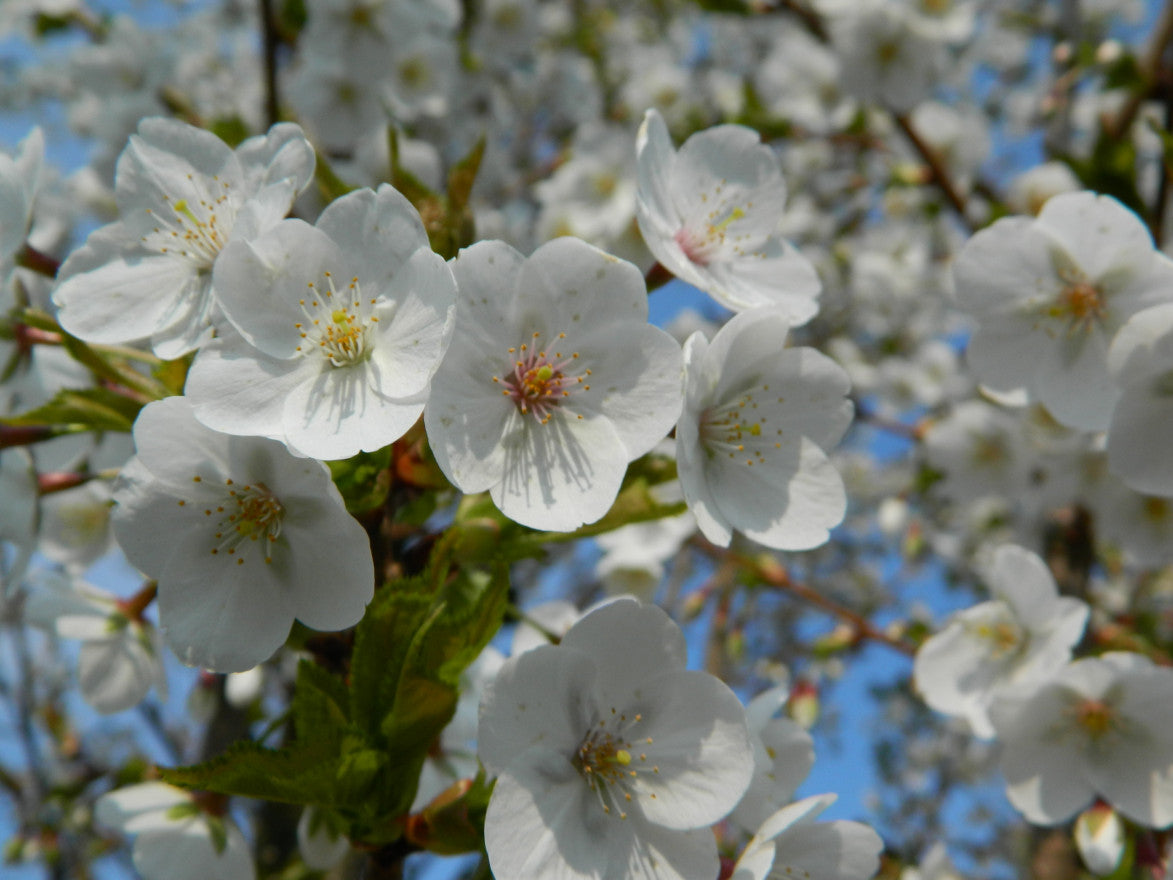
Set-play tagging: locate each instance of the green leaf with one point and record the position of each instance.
(454, 822)
(363, 479)
(230, 129)
(321, 706)
(292, 776)
(1111, 169)
(381, 643)
(97, 409)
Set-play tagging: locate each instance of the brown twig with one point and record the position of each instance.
(269, 41)
(772, 573)
(940, 174)
(1150, 67)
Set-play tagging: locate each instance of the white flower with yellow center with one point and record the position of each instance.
(554, 381)
(612, 759)
(751, 445)
(242, 537)
(710, 214)
(1049, 295)
(1100, 727)
(340, 327)
(1023, 636)
(183, 194)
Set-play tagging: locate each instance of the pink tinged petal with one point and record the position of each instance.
(381, 231)
(1143, 465)
(627, 641)
(693, 730)
(1105, 235)
(129, 298)
(218, 614)
(1073, 381)
(238, 389)
(186, 851)
(1005, 265)
(115, 673)
(1042, 763)
(261, 283)
(538, 700)
(561, 474)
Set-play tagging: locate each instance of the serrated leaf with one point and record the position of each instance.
(97, 409)
(381, 643)
(291, 776)
(321, 706)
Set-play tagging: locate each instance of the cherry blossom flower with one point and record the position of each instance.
(183, 194)
(611, 758)
(120, 657)
(242, 537)
(710, 214)
(175, 838)
(341, 326)
(1101, 727)
(792, 844)
(1049, 294)
(1023, 636)
(1141, 360)
(20, 176)
(751, 445)
(553, 382)
(783, 756)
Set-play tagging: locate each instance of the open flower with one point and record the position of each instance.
(242, 537)
(612, 758)
(119, 659)
(176, 837)
(791, 844)
(1050, 293)
(341, 326)
(554, 381)
(710, 213)
(1023, 636)
(1101, 727)
(183, 195)
(751, 445)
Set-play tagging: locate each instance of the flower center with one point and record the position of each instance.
(245, 515)
(609, 762)
(338, 323)
(1005, 636)
(1095, 717)
(541, 382)
(1080, 303)
(195, 231)
(703, 246)
(736, 430)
